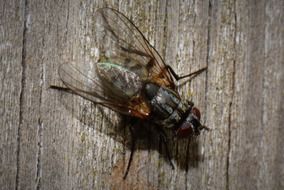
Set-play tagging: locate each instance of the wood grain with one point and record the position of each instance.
(11, 88)
(55, 140)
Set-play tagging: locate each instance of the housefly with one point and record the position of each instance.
(131, 78)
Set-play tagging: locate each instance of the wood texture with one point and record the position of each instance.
(54, 140)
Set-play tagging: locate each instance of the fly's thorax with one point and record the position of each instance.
(118, 79)
(166, 106)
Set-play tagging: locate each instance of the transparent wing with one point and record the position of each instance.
(83, 80)
(118, 36)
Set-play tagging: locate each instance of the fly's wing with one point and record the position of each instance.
(118, 36)
(82, 79)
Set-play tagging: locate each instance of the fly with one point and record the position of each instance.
(131, 78)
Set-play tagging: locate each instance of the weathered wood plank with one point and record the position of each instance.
(11, 49)
(256, 121)
(32, 80)
(55, 140)
(221, 42)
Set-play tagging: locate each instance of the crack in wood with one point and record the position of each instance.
(165, 31)
(39, 152)
(231, 102)
(39, 130)
(67, 20)
(23, 84)
(229, 149)
(208, 54)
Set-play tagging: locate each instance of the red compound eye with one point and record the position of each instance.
(185, 130)
(195, 111)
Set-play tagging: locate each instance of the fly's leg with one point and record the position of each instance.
(133, 143)
(165, 141)
(191, 75)
(163, 137)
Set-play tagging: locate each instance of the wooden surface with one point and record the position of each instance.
(54, 140)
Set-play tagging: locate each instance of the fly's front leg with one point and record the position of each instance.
(191, 75)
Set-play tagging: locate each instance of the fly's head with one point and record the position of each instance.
(190, 124)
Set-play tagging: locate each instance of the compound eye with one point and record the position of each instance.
(195, 111)
(185, 130)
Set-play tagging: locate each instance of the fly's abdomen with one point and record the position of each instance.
(166, 106)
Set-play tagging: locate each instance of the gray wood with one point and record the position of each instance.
(11, 88)
(256, 151)
(55, 140)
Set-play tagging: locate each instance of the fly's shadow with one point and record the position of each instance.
(185, 153)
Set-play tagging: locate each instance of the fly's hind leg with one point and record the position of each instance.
(163, 137)
(190, 75)
(133, 144)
